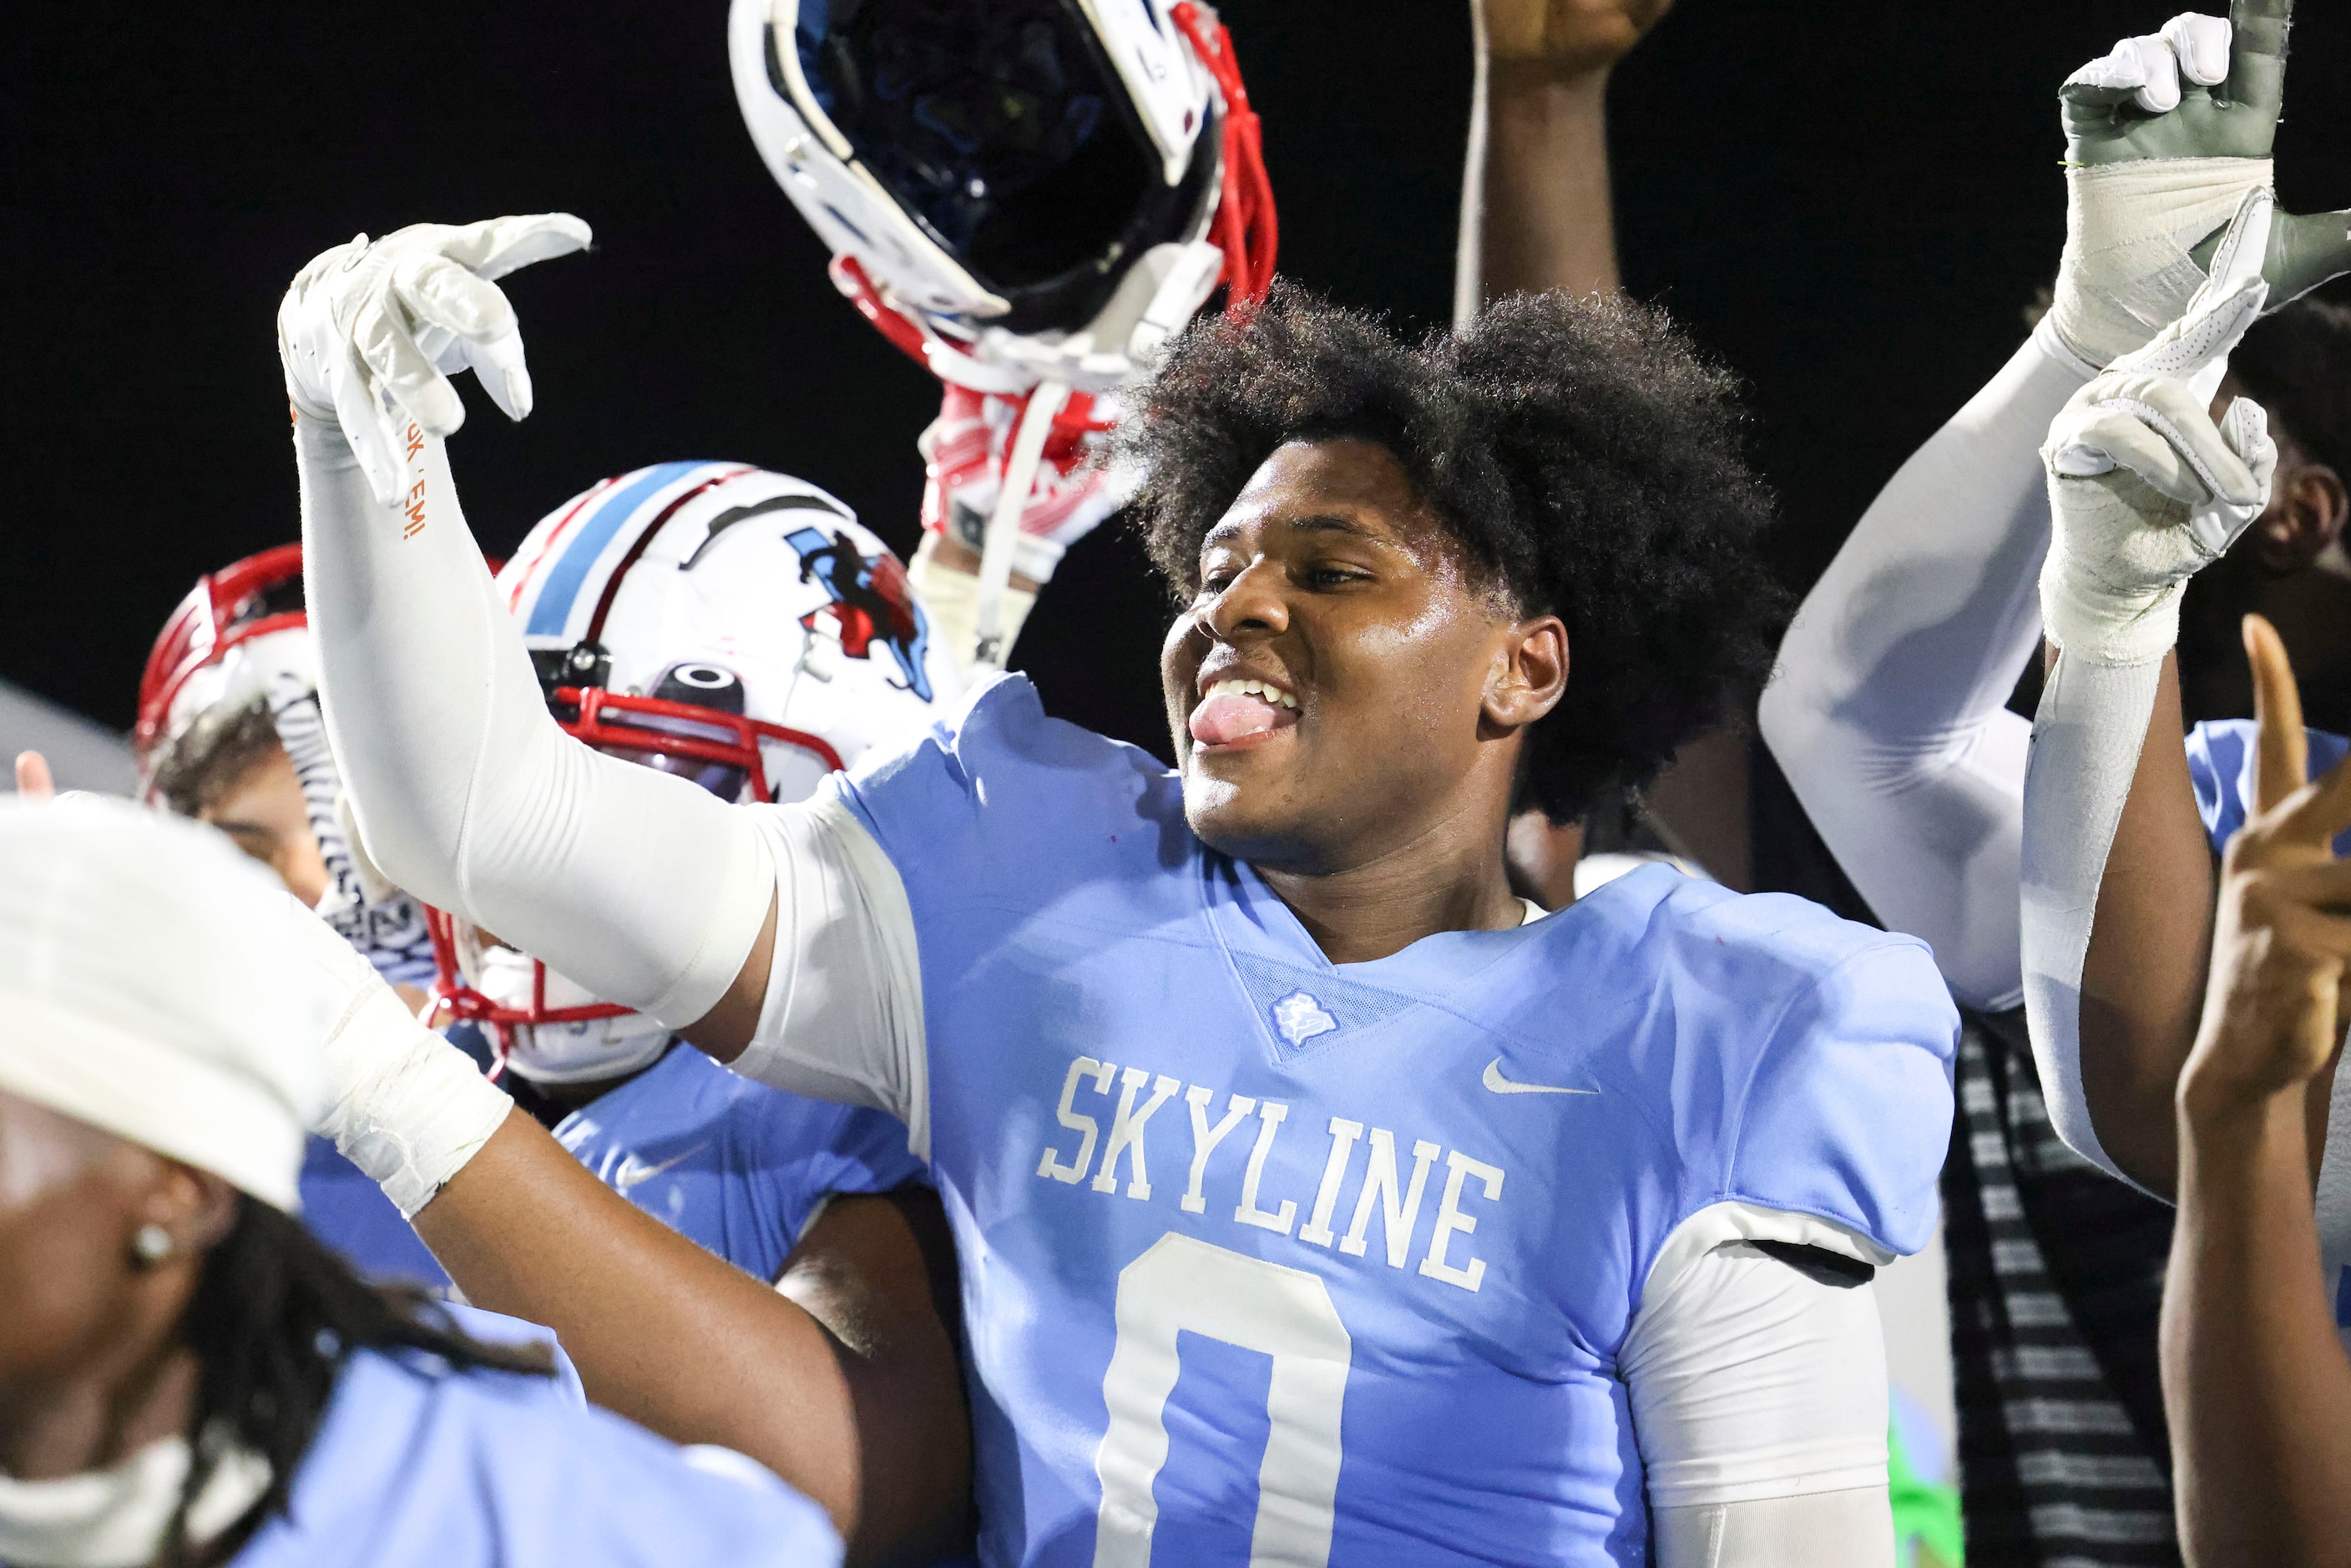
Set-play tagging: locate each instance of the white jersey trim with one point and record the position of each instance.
(843, 1018)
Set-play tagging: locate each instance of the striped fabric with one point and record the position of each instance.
(2056, 1275)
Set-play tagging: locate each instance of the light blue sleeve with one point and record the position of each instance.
(416, 1464)
(1846, 1110)
(866, 1153)
(496, 1328)
(2220, 754)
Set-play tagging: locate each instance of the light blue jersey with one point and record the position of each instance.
(2221, 765)
(1267, 1256)
(343, 1207)
(734, 1165)
(415, 1463)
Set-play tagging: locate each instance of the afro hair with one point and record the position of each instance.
(1582, 452)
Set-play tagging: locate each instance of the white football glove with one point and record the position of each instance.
(370, 332)
(2151, 170)
(2143, 489)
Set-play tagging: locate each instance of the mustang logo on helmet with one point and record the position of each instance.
(871, 602)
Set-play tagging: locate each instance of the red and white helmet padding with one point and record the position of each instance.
(242, 635)
(236, 629)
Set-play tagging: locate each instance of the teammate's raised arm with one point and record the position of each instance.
(469, 794)
(1887, 709)
(466, 792)
(2257, 1386)
(2168, 135)
(1536, 213)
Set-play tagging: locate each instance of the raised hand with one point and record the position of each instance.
(2144, 489)
(2202, 87)
(2165, 135)
(1563, 38)
(2283, 935)
(370, 332)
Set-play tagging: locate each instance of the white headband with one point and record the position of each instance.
(148, 988)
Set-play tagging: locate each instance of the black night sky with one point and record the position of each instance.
(1850, 202)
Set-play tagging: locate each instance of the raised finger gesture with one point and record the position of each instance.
(370, 332)
(2284, 925)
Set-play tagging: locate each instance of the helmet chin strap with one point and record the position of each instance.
(1004, 522)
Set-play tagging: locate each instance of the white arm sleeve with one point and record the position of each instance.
(2086, 737)
(642, 887)
(1887, 712)
(1758, 1398)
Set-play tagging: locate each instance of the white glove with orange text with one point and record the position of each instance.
(371, 331)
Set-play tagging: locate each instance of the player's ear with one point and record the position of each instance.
(2308, 505)
(1529, 672)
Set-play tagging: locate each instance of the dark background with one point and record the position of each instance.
(1852, 204)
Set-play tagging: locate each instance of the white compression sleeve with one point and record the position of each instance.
(1824, 1530)
(642, 887)
(1758, 1398)
(1887, 712)
(2085, 745)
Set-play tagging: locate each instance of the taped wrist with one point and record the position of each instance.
(2125, 272)
(411, 1108)
(401, 1103)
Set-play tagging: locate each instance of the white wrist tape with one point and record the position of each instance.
(2127, 272)
(413, 1108)
(403, 1104)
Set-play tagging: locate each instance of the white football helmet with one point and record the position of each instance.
(243, 635)
(732, 626)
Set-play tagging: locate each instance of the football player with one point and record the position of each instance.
(739, 629)
(228, 732)
(1257, 1102)
(1030, 199)
(1888, 717)
(816, 611)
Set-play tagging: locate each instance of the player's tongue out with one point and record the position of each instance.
(1234, 710)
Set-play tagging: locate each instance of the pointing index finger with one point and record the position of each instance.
(2281, 760)
(2257, 45)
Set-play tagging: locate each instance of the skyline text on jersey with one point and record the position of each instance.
(1383, 1192)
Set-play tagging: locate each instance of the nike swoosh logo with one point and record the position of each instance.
(635, 1173)
(1501, 1085)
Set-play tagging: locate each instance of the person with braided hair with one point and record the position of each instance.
(186, 1375)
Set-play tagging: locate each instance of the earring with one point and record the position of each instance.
(151, 1244)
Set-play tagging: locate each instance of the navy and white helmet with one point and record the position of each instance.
(736, 627)
(1014, 190)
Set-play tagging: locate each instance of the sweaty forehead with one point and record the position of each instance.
(1346, 484)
